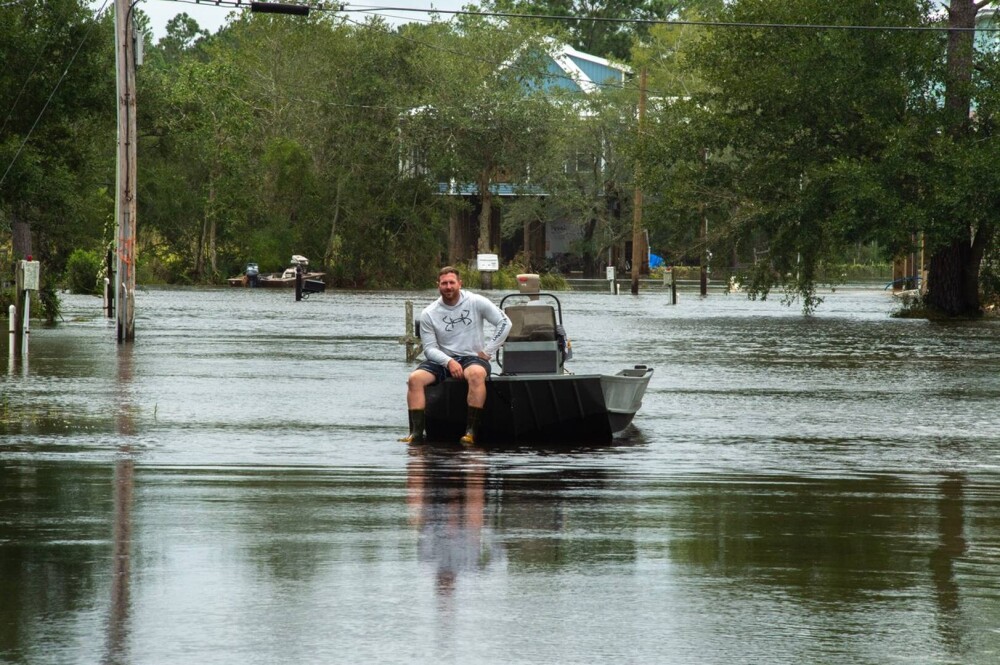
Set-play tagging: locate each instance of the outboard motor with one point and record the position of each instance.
(253, 274)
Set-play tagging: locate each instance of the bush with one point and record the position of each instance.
(505, 279)
(82, 270)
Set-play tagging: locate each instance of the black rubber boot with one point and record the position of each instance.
(469, 438)
(417, 420)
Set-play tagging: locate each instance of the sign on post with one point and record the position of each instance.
(29, 275)
(487, 262)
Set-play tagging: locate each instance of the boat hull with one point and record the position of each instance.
(277, 281)
(548, 409)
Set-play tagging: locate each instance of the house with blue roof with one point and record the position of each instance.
(566, 69)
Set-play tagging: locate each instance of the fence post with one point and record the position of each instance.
(409, 338)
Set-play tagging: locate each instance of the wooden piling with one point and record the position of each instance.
(413, 346)
(671, 284)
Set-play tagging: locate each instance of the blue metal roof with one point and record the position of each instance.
(498, 189)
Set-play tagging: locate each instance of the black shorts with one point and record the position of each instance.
(440, 372)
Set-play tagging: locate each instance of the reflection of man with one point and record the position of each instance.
(451, 331)
(447, 506)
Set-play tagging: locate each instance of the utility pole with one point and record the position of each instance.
(125, 201)
(637, 236)
(703, 233)
(703, 272)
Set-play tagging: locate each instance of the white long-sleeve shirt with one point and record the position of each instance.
(457, 330)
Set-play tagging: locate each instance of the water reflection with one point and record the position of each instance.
(122, 500)
(951, 548)
(446, 496)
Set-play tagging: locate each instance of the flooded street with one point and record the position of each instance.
(230, 489)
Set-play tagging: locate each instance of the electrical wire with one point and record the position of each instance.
(76, 52)
(375, 9)
(677, 22)
(41, 53)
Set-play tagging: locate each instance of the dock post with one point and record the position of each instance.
(109, 290)
(26, 327)
(410, 339)
(11, 329)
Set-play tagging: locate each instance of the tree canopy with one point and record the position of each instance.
(790, 130)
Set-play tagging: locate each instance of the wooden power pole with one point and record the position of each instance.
(637, 237)
(125, 201)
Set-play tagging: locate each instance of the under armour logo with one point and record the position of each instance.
(464, 318)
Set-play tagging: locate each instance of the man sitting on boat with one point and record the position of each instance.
(451, 331)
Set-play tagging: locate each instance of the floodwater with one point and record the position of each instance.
(229, 489)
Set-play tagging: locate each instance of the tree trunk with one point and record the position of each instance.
(953, 274)
(456, 236)
(213, 256)
(21, 231)
(210, 231)
(958, 81)
(953, 282)
(485, 217)
(331, 245)
(526, 243)
(592, 262)
(199, 254)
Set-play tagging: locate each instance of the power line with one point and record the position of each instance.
(376, 9)
(681, 22)
(76, 52)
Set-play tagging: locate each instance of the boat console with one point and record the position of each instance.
(531, 346)
(537, 342)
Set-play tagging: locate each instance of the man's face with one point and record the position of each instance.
(448, 286)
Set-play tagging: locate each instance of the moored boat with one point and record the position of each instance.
(286, 278)
(535, 399)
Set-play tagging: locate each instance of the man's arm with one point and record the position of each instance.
(501, 327)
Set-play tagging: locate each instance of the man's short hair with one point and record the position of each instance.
(450, 269)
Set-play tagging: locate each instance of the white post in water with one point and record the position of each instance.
(11, 328)
(27, 278)
(26, 329)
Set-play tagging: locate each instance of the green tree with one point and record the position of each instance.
(586, 27)
(278, 136)
(784, 151)
(585, 176)
(962, 224)
(193, 180)
(485, 119)
(56, 127)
